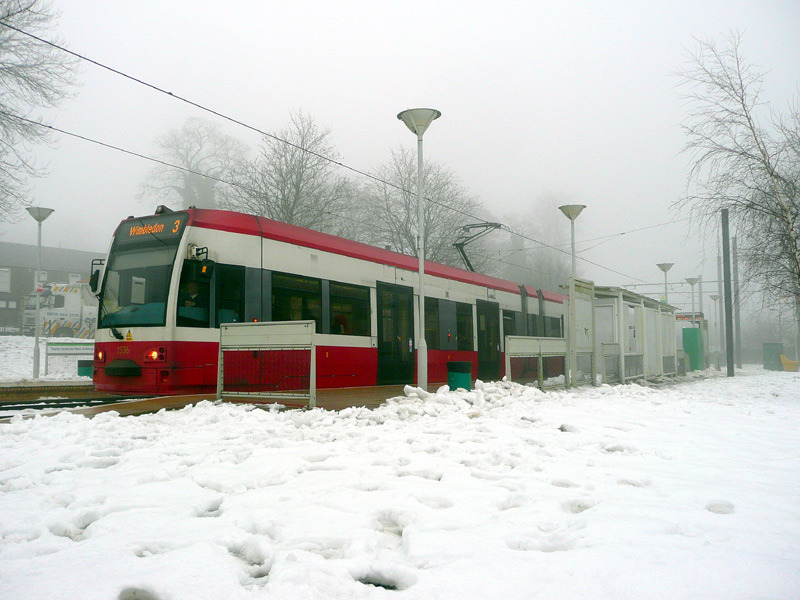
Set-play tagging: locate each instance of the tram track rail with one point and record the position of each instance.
(57, 403)
(27, 391)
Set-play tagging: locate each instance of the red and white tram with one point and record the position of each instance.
(170, 279)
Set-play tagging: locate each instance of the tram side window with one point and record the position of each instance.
(432, 323)
(533, 325)
(509, 322)
(349, 309)
(464, 326)
(192, 299)
(230, 294)
(296, 298)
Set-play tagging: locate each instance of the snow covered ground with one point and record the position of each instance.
(689, 490)
(16, 360)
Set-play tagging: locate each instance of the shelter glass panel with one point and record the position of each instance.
(604, 324)
(552, 327)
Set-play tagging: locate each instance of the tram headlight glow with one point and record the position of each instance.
(155, 354)
(100, 355)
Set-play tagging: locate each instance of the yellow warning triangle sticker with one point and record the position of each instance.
(128, 336)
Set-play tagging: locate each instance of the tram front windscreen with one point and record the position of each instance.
(138, 271)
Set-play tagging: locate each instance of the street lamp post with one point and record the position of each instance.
(418, 120)
(665, 267)
(571, 211)
(39, 214)
(692, 281)
(714, 299)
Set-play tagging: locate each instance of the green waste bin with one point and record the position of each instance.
(772, 356)
(693, 346)
(459, 374)
(85, 368)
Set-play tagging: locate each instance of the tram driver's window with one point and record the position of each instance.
(230, 293)
(192, 299)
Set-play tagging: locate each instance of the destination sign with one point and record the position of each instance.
(145, 229)
(163, 229)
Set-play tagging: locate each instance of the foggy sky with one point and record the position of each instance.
(576, 100)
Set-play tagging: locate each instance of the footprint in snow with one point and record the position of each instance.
(720, 507)
(578, 505)
(137, 594)
(211, 508)
(437, 503)
(564, 483)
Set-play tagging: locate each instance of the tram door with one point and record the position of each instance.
(395, 334)
(488, 340)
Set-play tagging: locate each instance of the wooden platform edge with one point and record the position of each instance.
(327, 399)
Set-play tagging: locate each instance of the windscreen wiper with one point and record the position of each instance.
(105, 312)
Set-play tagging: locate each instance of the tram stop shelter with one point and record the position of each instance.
(612, 335)
(635, 336)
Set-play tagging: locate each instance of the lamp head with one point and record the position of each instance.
(39, 213)
(692, 280)
(418, 119)
(665, 266)
(571, 211)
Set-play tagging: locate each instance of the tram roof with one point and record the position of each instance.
(235, 222)
(553, 297)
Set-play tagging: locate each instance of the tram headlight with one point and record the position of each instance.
(156, 354)
(100, 355)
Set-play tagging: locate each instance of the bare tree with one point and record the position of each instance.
(292, 180)
(33, 76)
(205, 156)
(391, 209)
(741, 165)
(534, 253)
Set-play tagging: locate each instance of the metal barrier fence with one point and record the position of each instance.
(273, 360)
(538, 359)
(583, 369)
(669, 365)
(63, 357)
(634, 366)
(610, 362)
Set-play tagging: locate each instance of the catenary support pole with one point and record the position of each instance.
(737, 317)
(721, 308)
(726, 262)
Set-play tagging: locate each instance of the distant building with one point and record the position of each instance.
(18, 273)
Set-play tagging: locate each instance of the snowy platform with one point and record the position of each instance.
(685, 491)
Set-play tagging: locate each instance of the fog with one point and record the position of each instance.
(572, 100)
